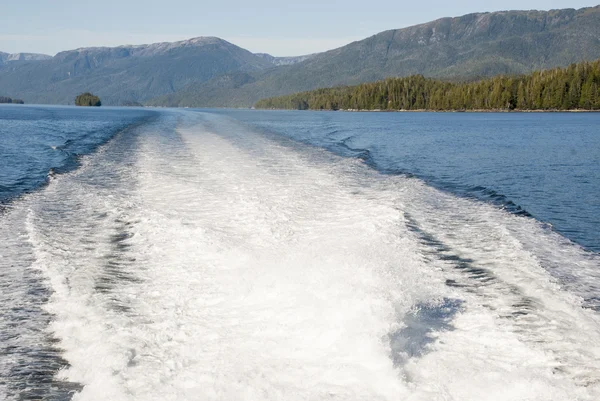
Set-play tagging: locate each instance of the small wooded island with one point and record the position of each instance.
(88, 99)
(4, 99)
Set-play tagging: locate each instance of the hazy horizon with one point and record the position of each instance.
(261, 27)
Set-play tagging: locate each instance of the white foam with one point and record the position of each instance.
(256, 271)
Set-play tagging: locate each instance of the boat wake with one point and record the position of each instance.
(196, 259)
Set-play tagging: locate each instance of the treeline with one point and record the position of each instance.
(570, 88)
(4, 99)
(131, 103)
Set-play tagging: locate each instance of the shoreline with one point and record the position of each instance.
(440, 111)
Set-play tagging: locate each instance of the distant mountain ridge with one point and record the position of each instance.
(209, 71)
(285, 60)
(463, 48)
(127, 73)
(147, 50)
(7, 57)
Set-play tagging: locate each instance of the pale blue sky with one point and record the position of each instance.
(282, 28)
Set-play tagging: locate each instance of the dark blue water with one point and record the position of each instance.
(543, 165)
(37, 142)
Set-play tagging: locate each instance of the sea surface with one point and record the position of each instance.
(165, 254)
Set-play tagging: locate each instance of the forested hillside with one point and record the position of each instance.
(465, 48)
(574, 87)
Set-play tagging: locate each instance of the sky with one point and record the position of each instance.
(281, 28)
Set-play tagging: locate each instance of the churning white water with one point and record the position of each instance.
(194, 259)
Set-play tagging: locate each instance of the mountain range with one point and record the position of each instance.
(6, 58)
(209, 71)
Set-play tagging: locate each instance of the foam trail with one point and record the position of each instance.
(196, 259)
